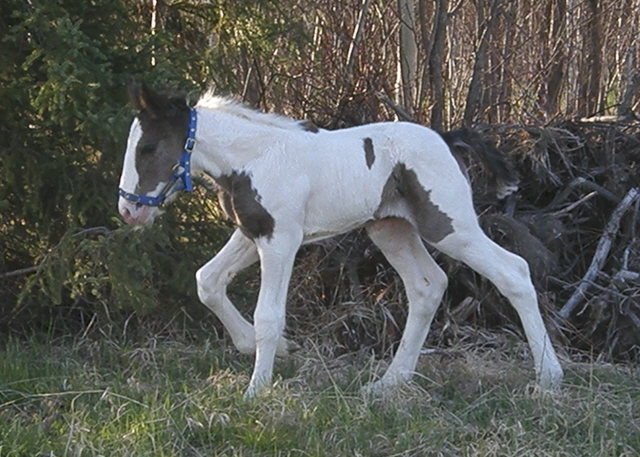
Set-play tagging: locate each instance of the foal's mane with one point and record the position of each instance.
(230, 106)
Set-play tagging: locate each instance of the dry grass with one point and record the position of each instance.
(183, 397)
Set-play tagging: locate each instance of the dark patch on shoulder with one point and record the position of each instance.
(403, 186)
(369, 155)
(309, 126)
(241, 202)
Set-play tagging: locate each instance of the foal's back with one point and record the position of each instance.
(353, 176)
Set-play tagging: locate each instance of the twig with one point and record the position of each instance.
(602, 250)
(355, 41)
(582, 182)
(90, 230)
(573, 205)
(33, 269)
(21, 271)
(399, 111)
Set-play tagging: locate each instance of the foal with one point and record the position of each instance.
(285, 183)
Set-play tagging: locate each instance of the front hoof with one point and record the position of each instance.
(388, 383)
(257, 386)
(374, 389)
(250, 394)
(253, 391)
(381, 387)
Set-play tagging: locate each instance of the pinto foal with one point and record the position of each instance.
(285, 183)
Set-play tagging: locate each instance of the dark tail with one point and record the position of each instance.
(503, 177)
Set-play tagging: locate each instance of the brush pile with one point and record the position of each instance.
(575, 219)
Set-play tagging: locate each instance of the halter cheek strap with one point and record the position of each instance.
(181, 177)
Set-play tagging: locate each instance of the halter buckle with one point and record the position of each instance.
(189, 145)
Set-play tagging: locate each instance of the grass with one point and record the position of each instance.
(180, 397)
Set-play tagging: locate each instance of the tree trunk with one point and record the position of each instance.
(425, 24)
(355, 40)
(485, 28)
(407, 56)
(153, 25)
(438, 36)
(558, 17)
(632, 85)
(591, 70)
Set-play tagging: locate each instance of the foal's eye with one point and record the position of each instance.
(148, 149)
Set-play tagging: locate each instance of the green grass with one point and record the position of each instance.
(172, 397)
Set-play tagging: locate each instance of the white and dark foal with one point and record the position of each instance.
(285, 183)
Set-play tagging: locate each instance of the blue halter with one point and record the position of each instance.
(181, 177)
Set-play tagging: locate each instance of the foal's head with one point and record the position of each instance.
(156, 141)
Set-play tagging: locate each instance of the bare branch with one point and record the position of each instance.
(402, 114)
(602, 251)
(355, 40)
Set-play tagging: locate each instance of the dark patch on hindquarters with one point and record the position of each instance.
(403, 187)
(369, 155)
(241, 202)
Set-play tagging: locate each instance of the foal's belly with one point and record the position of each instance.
(340, 212)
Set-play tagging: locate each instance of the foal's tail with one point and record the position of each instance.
(503, 177)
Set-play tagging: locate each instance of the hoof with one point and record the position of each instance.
(374, 389)
(255, 389)
(250, 393)
(386, 384)
(551, 380)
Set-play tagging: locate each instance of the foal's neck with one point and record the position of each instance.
(227, 142)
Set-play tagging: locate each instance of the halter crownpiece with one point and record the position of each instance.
(181, 177)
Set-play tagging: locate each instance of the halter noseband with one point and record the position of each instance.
(181, 177)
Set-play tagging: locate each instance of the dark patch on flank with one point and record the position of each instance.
(369, 155)
(164, 120)
(403, 186)
(241, 202)
(309, 126)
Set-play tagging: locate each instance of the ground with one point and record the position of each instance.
(181, 395)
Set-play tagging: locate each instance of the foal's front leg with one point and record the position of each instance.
(212, 280)
(277, 255)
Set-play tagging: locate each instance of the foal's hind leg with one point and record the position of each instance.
(213, 278)
(510, 274)
(425, 283)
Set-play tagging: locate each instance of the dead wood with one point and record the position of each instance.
(600, 256)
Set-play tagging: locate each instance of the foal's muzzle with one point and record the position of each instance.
(136, 214)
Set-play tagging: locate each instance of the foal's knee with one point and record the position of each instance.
(210, 285)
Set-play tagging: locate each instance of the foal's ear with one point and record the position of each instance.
(146, 99)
